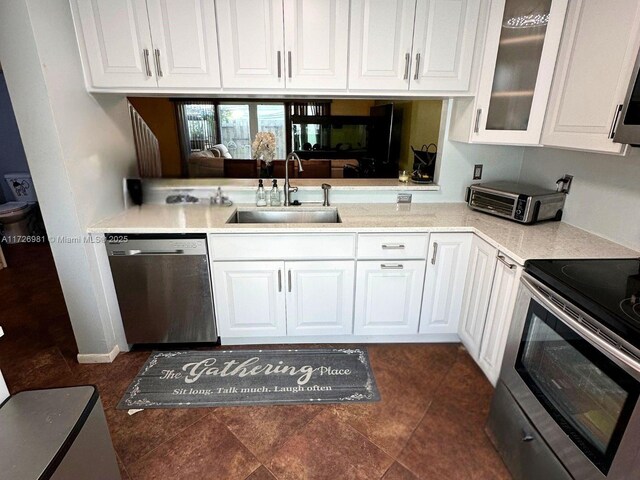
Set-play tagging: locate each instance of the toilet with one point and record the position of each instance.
(15, 215)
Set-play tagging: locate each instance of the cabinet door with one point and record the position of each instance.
(380, 44)
(519, 59)
(316, 43)
(251, 41)
(117, 42)
(185, 47)
(320, 298)
(447, 263)
(482, 265)
(443, 44)
(249, 299)
(503, 300)
(388, 297)
(573, 121)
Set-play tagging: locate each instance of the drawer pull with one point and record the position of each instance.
(392, 246)
(527, 437)
(391, 266)
(503, 260)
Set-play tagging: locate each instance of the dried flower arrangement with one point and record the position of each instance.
(264, 146)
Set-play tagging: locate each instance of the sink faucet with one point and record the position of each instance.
(288, 189)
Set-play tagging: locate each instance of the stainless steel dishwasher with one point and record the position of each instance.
(164, 288)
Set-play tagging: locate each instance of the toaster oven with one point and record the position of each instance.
(516, 201)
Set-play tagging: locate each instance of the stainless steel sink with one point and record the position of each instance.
(288, 215)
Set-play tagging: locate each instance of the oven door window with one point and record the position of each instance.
(588, 395)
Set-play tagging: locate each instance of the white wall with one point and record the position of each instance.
(605, 194)
(78, 148)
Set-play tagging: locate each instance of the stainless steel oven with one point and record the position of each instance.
(576, 382)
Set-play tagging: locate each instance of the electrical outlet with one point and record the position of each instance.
(564, 184)
(477, 172)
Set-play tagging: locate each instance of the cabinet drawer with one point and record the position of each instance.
(314, 246)
(390, 246)
(522, 448)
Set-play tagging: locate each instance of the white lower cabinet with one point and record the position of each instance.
(388, 296)
(249, 299)
(482, 265)
(447, 262)
(275, 299)
(503, 299)
(320, 297)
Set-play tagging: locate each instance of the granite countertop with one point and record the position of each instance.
(520, 242)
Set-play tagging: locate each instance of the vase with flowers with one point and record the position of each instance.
(264, 149)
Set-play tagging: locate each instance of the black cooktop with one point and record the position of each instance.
(609, 290)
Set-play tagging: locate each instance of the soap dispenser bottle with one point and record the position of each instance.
(261, 195)
(275, 194)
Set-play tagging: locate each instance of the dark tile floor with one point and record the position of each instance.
(429, 424)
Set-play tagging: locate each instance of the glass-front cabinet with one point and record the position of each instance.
(521, 47)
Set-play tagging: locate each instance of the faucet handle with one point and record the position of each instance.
(325, 189)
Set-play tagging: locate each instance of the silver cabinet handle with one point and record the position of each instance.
(391, 266)
(289, 61)
(392, 246)
(416, 75)
(435, 253)
(502, 259)
(614, 124)
(289, 275)
(146, 62)
(407, 59)
(158, 66)
(476, 126)
(279, 280)
(279, 64)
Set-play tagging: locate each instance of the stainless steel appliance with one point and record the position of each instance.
(516, 201)
(566, 405)
(626, 122)
(163, 287)
(57, 433)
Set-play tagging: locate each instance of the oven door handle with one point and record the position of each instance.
(580, 329)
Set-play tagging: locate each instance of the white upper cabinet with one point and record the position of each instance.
(268, 44)
(597, 54)
(443, 43)
(380, 44)
(407, 45)
(447, 263)
(316, 39)
(251, 35)
(517, 69)
(117, 42)
(185, 47)
(148, 44)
